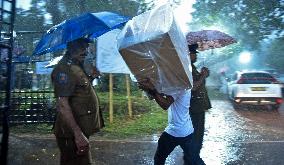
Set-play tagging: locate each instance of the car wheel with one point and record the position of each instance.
(237, 106)
(275, 107)
(271, 107)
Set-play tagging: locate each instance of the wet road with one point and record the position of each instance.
(243, 137)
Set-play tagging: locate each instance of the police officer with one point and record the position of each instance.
(77, 106)
(199, 101)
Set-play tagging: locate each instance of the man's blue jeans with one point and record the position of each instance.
(167, 144)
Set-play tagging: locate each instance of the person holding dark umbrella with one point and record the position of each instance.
(199, 101)
(77, 105)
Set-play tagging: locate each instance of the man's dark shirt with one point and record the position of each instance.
(199, 98)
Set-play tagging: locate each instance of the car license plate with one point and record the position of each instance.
(258, 88)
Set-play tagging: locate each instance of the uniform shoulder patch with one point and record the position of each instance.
(62, 78)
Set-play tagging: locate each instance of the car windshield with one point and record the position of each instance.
(257, 78)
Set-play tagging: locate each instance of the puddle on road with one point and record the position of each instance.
(222, 129)
(230, 138)
(227, 130)
(220, 153)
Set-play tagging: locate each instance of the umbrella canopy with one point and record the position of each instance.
(209, 39)
(91, 25)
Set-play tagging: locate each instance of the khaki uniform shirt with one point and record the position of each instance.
(199, 101)
(70, 81)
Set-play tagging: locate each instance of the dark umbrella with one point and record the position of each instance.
(209, 39)
(89, 25)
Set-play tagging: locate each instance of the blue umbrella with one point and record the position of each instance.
(91, 25)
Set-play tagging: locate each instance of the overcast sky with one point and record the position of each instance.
(25, 4)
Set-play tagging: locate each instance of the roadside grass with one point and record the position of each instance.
(40, 128)
(149, 123)
(148, 118)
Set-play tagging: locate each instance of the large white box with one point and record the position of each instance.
(153, 46)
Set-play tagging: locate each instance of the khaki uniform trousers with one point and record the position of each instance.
(68, 153)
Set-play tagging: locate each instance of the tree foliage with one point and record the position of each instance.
(251, 22)
(34, 19)
(65, 9)
(27, 21)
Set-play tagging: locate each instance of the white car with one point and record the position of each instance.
(255, 88)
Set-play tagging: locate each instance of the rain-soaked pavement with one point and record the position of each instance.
(243, 137)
